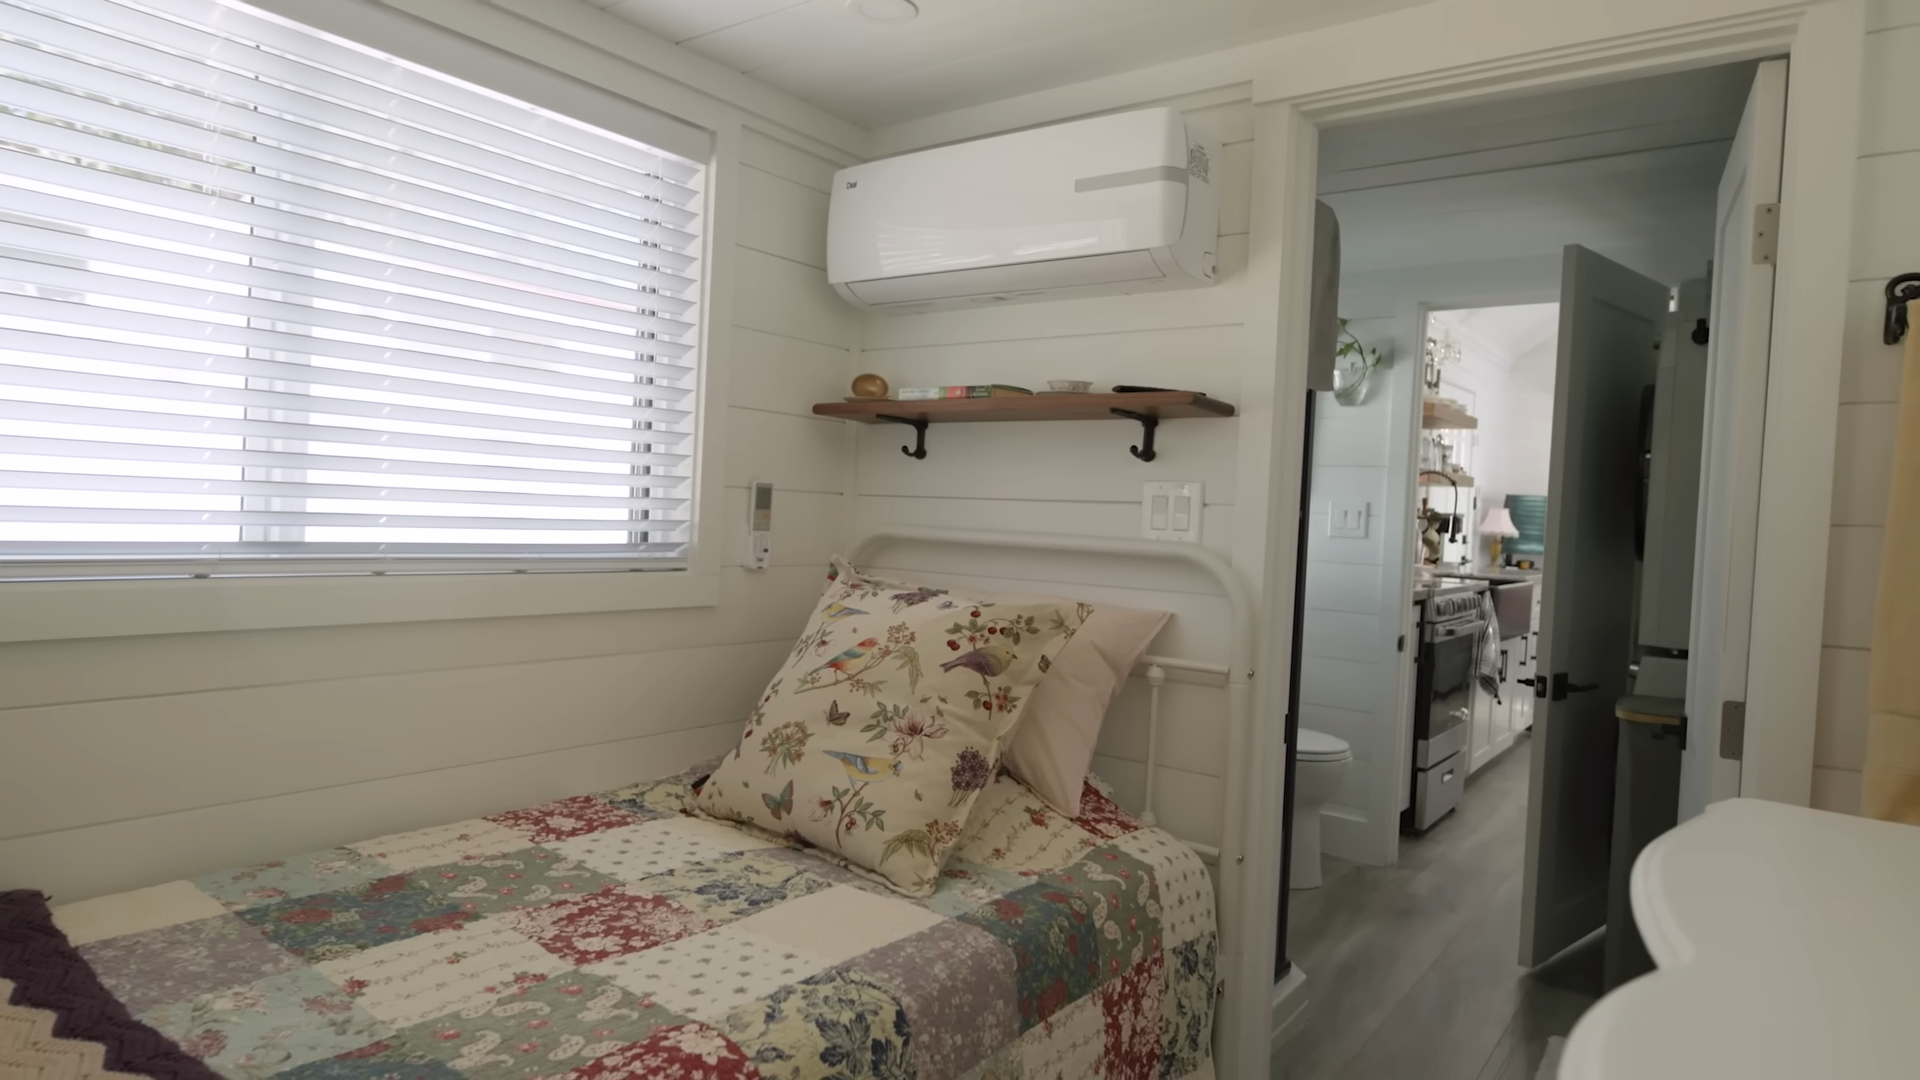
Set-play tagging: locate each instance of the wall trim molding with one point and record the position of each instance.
(54, 610)
(1628, 56)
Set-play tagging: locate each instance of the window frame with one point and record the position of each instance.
(121, 596)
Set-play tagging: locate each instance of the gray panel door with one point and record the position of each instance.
(1610, 320)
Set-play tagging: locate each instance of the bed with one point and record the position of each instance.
(611, 935)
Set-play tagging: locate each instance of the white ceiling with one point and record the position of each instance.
(959, 53)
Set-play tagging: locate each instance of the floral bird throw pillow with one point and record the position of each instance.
(887, 721)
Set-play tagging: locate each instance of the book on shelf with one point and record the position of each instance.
(937, 393)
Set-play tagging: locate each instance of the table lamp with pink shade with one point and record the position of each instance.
(1498, 524)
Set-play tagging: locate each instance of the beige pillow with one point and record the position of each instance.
(888, 720)
(1052, 748)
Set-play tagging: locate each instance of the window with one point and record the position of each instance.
(270, 299)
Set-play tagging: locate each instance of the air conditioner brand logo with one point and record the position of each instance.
(1197, 163)
(851, 184)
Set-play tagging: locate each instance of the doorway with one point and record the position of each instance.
(1484, 446)
(1295, 106)
(1454, 226)
(1503, 261)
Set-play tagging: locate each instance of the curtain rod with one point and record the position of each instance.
(1900, 290)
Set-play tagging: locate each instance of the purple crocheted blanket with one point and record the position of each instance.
(59, 1011)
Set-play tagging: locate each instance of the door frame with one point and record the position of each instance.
(1824, 41)
(1403, 496)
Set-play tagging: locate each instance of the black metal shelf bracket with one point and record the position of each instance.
(919, 449)
(1900, 291)
(1148, 424)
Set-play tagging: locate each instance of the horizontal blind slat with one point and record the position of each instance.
(14, 478)
(115, 516)
(267, 558)
(138, 420)
(660, 483)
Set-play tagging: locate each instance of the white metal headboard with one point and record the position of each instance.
(1241, 1032)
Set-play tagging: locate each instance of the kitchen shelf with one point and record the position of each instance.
(1146, 408)
(1431, 478)
(1445, 416)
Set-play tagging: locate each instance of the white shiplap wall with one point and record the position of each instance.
(1350, 660)
(1886, 242)
(1349, 670)
(1078, 478)
(128, 761)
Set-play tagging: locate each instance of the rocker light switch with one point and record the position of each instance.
(1347, 520)
(1172, 511)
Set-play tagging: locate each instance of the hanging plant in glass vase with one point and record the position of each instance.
(1353, 365)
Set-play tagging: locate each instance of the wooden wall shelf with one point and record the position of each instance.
(1146, 408)
(1430, 478)
(1443, 416)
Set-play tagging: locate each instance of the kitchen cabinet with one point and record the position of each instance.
(1497, 722)
(1493, 718)
(1526, 667)
(1489, 717)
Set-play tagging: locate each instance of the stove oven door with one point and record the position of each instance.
(1448, 713)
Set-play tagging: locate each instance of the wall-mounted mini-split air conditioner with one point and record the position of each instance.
(1116, 204)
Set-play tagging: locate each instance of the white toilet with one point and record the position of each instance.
(1320, 767)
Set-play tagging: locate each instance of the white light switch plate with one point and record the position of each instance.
(1171, 511)
(1347, 520)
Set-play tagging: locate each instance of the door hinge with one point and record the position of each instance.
(1733, 729)
(1401, 645)
(1766, 233)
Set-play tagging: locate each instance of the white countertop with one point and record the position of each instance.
(1788, 942)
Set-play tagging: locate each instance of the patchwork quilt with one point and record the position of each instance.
(610, 935)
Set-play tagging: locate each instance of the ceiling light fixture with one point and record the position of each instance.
(884, 10)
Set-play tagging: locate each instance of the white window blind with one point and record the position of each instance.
(269, 296)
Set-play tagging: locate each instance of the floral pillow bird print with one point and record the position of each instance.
(887, 722)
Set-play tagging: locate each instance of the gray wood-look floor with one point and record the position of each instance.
(1411, 969)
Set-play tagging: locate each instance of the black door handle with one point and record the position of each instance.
(1562, 686)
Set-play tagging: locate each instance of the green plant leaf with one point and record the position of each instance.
(913, 840)
(909, 658)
